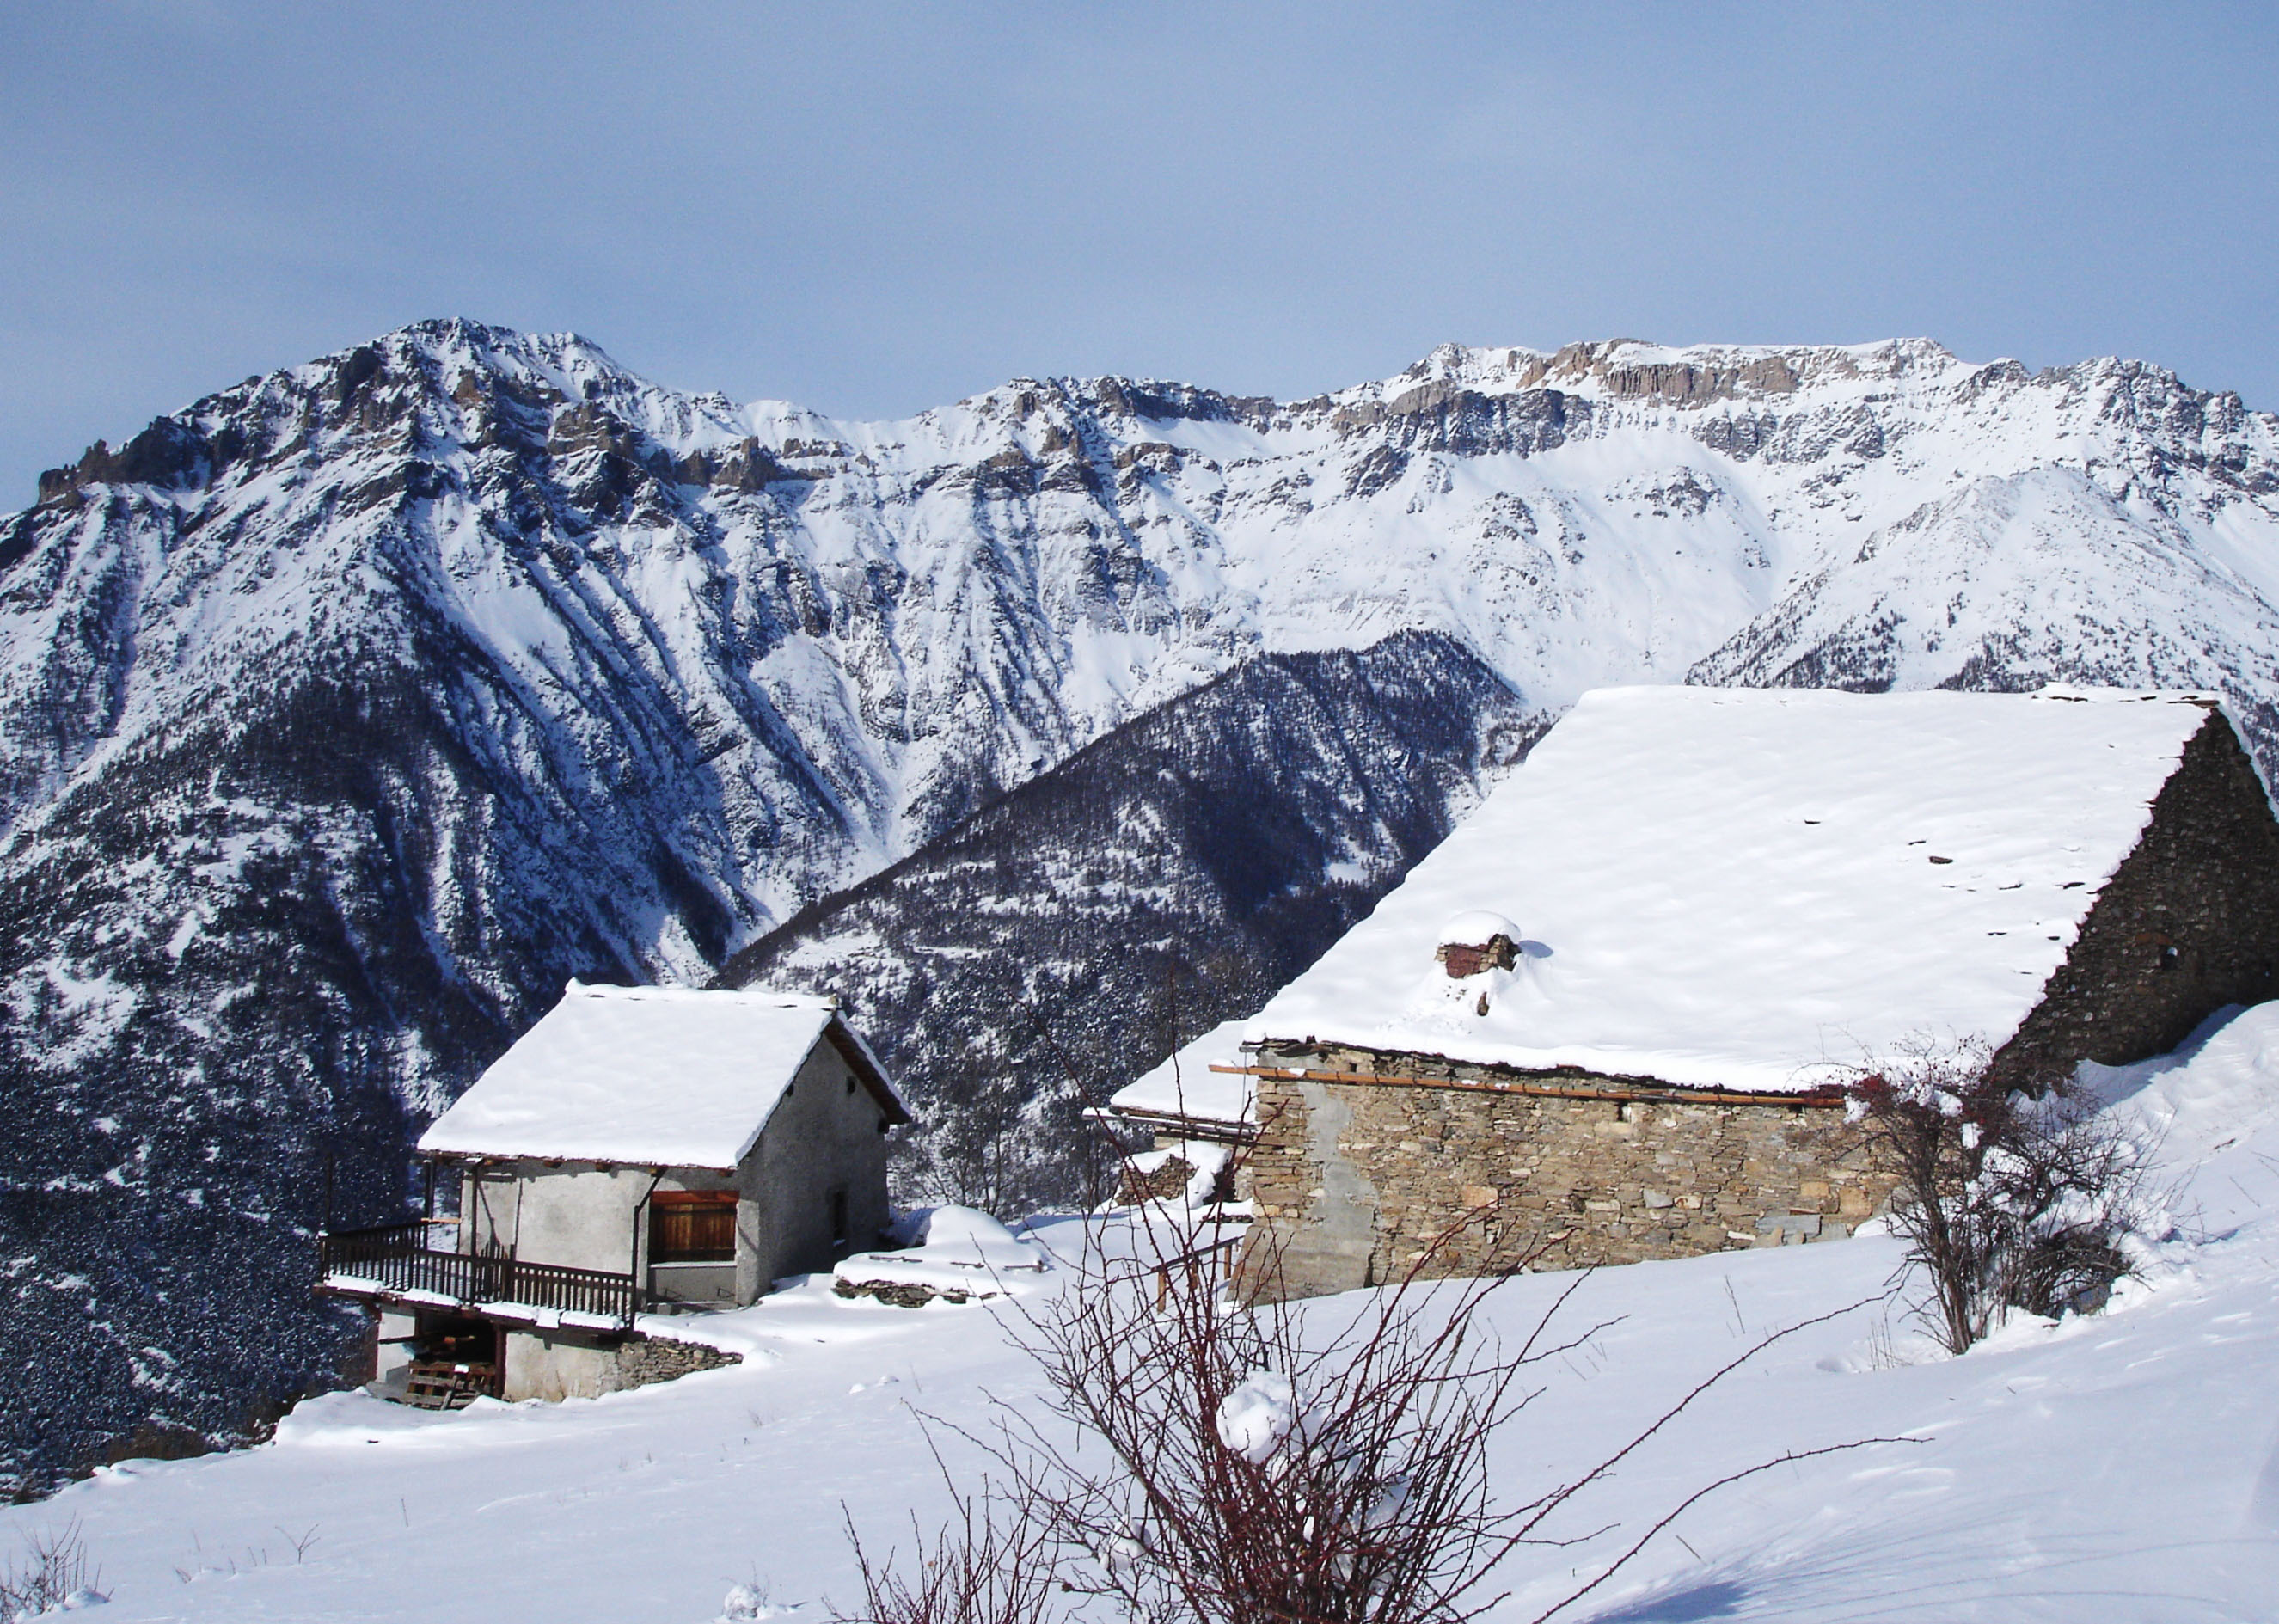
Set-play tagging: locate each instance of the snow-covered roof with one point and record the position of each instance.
(660, 1077)
(1735, 888)
(1185, 1089)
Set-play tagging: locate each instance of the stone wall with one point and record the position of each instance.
(644, 1359)
(555, 1366)
(1167, 1181)
(2188, 923)
(1362, 1182)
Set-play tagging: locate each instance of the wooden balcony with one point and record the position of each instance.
(395, 1261)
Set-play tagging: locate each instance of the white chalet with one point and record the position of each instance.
(640, 1148)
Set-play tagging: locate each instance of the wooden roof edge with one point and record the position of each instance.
(607, 1164)
(1217, 1129)
(866, 1066)
(1623, 1089)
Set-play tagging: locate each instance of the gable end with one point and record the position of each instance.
(2187, 924)
(858, 1056)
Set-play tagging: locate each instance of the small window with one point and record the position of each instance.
(692, 1226)
(838, 1218)
(850, 1084)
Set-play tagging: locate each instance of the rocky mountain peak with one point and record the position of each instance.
(1694, 375)
(349, 711)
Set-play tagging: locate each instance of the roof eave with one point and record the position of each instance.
(426, 1153)
(1218, 1129)
(866, 1066)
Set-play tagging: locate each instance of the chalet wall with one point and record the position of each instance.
(824, 1136)
(575, 1215)
(2188, 923)
(1356, 1182)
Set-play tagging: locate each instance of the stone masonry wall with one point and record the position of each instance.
(2188, 923)
(1357, 1182)
(644, 1359)
(1361, 1183)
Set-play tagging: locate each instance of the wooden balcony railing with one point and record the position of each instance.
(1207, 1267)
(396, 1259)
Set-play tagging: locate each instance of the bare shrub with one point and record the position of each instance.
(2006, 1200)
(1261, 1464)
(52, 1571)
(991, 1563)
(1200, 1461)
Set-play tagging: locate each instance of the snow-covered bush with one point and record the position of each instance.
(2007, 1199)
(1278, 1462)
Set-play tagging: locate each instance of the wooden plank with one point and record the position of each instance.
(1819, 1100)
(1210, 1129)
(433, 1384)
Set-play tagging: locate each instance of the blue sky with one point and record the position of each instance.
(873, 208)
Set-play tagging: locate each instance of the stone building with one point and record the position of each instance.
(1199, 1108)
(640, 1149)
(1608, 1019)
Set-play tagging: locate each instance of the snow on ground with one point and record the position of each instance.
(953, 1252)
(2123, 1467)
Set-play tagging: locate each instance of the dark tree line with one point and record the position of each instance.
(1169, 876)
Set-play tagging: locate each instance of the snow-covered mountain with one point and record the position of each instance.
(347, 712)
(1168, 877)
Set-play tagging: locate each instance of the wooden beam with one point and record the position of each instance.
(1211, 1129)
(1821, 1100)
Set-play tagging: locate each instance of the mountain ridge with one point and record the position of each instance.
(347, 713)
(1168, 875)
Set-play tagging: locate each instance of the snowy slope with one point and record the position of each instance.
(346, 713)
(2123, 1467)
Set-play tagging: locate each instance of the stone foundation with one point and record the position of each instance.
(554, 1367)
(901, 1294)
(1362, 1183)
(644, 1359)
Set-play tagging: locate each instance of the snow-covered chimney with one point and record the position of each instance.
(1478, 940)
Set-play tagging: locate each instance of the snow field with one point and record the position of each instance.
(2122, 1466)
